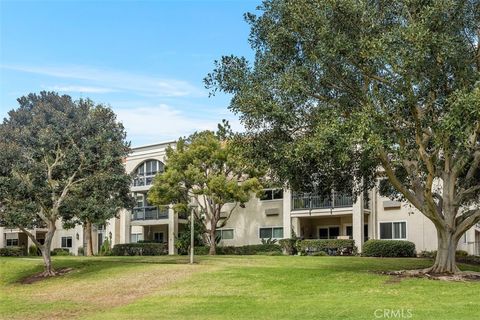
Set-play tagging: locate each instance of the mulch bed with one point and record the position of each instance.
(39, 276)
(459, 276)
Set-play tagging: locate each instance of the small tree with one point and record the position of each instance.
(51, 146)
(339, 89)
(208, 171)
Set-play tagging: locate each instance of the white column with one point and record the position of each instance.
(287, 220)
(172, 230)
(125, 229)
(2, 237)
(358, 222)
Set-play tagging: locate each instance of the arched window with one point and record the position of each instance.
(146, 171)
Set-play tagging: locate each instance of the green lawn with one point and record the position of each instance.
(230, 287)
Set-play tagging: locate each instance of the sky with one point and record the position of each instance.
(145, 59)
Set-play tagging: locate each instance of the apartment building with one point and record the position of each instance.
(278, 214)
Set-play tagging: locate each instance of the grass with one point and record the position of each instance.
(230, 287)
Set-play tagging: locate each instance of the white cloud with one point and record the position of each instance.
(151, 124)
(81, 89)
(116, 80)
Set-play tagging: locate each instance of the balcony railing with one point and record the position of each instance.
(309, 201)
(149, 213)
(140, 181)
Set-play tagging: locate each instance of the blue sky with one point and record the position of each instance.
(146, 59)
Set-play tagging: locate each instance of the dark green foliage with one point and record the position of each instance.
(339, 88)
(388, 248)
(139, 249)
(289, 246)
(329, 246)
(183, 241)
(33, 251)
(12, 252)
(266, 249)
(60, 252)
(81, 251)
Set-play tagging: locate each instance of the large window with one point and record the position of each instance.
(146, 172)
(271, 232)
(328, 232)
(66, 242)
(272, 194)
(224, 234)
(12, 242)
(135, 237)
(393, 230)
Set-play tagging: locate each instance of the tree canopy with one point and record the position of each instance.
(341, 88)
(206, 170)
(53, 147)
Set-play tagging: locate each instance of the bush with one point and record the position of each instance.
(139, 249)
(33, 250)
(60, 252)
(332, 247)
(81, 251)
(319, 253)
(12, 251)
(289, 246)
(427, 254)
(389, 248)
(253, 249)
(105, 249)
(469, 259)
(461, 254)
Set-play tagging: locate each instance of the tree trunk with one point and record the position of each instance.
(213, 242)
(445, 259)
(45, 248)
(88, 238)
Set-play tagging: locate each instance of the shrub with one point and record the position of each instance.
(427, 254)
(81, 251)
(105, 249)
(253, 249)
(60, 252)
(269, 241)
(319, 253)
(469, 259)
(289, 246)
(139, 249)
(12, 251)
(33, 250)
(332, 247)
(461, 254)
(389, 248)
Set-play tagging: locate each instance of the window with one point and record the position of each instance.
(146, 171)
(349, 231)
(12, 242)
(135, 237)
(393, 230)
(66, 242)
(272, 194)
(328, 232)
(224, 234)
(271, 232)
(158, 237)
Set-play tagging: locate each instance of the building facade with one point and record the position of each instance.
(279, 213)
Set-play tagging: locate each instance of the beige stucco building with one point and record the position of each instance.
(278, 214)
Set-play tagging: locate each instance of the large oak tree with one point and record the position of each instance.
(51, 146)
(353, 89)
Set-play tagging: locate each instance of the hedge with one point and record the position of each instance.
(12, 251)
(332, 247)
(139, 249)
(266, 249)
(289, 246)
(389, 248)
(60, 252)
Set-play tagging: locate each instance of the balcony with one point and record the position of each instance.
(149, 213)
(142, 181)
(306, 201)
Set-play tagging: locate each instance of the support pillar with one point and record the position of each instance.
(287, 220)
(358, 220)
(172, 230)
